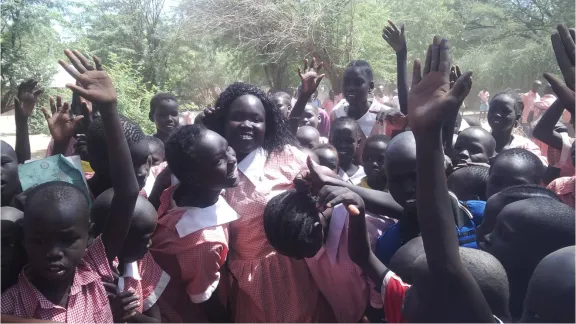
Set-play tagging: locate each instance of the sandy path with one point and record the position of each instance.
(38, 143)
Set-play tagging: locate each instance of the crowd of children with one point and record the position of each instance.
(269, 208)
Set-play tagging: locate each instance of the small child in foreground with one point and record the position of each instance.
(296, 227)
(373, 158)
(141, 280)
(327, 156)
(345, 136)
(191, 239)
(63, 280)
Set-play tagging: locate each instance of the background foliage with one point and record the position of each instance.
(194, 48)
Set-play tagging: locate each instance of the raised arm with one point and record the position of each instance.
(430, 102)
(544, 129)
(563, 44)
(97, 87)
(61, 124)
(24, 104)
(310, 82)
(396, 39)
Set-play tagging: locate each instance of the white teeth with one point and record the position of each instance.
(409, 201)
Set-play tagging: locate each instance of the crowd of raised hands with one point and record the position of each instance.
(272, 209)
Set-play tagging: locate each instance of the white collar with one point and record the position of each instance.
(252, 166)
(195, 218)
(337, 223)
(356, 178)
(130, 271)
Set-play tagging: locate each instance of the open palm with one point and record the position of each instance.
(95, 84)
(27, 97)
(61, 124)
(310, 78)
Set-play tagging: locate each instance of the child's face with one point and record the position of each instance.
(308, 138)
(55, 240)
(246, 124)
(12, 253)
(283, 104)
(156, 153)
(166, 116)
(473, 146)
(400, 165)
(216, 163)
(138, 240)
(507, 172)
(355, 86)
(141, 161)
(501, 114)
(344, 138)
(328, 158)
(373, 159)
(9, 177)
(310, 116)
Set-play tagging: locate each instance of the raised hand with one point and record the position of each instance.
(95, 85)
(431, 100)
(564, 47)
(27, 97)
(61, 124)
(311, 77)
(394, 37)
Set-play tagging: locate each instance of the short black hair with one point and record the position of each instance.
(289, 220)
(157, 100)
(518, 102)
(534, 161)
(155, 142)
(181, 149)
(525, 191)
(476, 181)
(96, 137)
(344, 121)
(364, 68)
(277, 134)
(325, 146)
(378, 138)
(55, 192)
(491, 278)
(280, 95)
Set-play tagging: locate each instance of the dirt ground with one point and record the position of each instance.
(38, 143)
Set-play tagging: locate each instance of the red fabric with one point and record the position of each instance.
(193, 263)
(393, 292)
(87, 302)
(564, 188)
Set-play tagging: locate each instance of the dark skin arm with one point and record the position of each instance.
(396, 39)
(544, 130)
(310, 82)
(563, 44)
(162, 183)
(431, 101)
(214, 310)
(97, 87)
(24, 104)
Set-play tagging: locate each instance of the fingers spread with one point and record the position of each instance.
(462, 86)
(567, 42)
(73, 72)
(75, 61)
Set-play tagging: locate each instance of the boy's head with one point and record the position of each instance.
(12, 252)
(327, 156)
(550, 295)
(422, 303)
(373, 158)
(345, 136)
(282, 101)
(357, 82)
(137, 144)
(403, 259)
(308, 136)
(310, 116)
(143, 224)
(9, 177)
(504, 110)
(293, 225)
(469, 183)
(56, 227)
(474, 144)
(525, 232)
(164, 112)
(201, 158)
(400, 166)
(514, 167)
(497, 202)
(156, 148)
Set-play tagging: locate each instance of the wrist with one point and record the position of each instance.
(402, 53)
